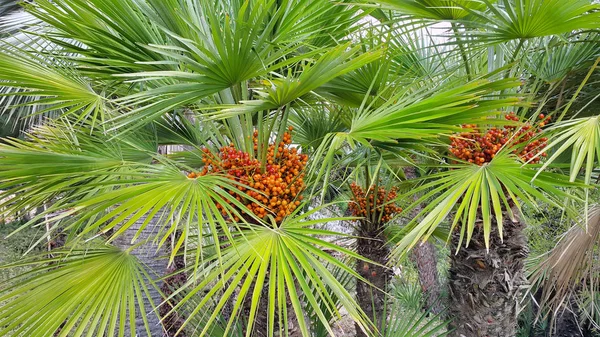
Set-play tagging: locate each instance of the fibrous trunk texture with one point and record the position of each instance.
(485, 287)
(370, 296)
(424, 257)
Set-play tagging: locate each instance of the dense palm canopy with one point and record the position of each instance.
(97, 93)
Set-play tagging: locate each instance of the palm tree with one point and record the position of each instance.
(487, 274)
(117, 79)
(281, 61)
(564, 276)
(424, 255)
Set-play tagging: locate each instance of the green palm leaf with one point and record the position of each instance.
(286, 261)
(487, 191)
(415, 323)
(426, 117)
(433, 9)
(100, 185)
(44, 167)
(57, 86)
(524, 19)
(335, 62)
(581, 137)
(94, 292)
(416, 119)
(115, 35)
(560, 58)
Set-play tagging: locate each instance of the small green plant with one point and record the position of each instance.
(409, 295)
(404, 322)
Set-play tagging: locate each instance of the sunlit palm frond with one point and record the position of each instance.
(25, 39)
(115, 36)
(91, 292)
(434, 113)
(433, 9)
(581, 137)
(525, 19)
(483, 194)
(105, 185)
(60, 161)
(280, 92)
(213, 60)
(55, 85)
(411, 323)
(561, 58)
(415, 118)
(410, 59)
(277, 266)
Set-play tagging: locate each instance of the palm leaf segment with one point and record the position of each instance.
(480, 195)
(81, 293)
(274, 266)
(581, 137)
(421, 118)
(117, 190)
(568, 268)
(524, 19)
(175, 54)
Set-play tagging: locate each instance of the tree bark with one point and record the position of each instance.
(371, 297)
(485, 287)
(424, 256)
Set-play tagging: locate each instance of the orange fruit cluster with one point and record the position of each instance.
(383, 206)
(479, 148)
(276, 186)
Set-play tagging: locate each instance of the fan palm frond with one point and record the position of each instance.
(283, 264)
(91, 292)
(486, 191)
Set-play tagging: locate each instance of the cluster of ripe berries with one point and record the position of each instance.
(479, 148)
(276, 186)
(382, 205)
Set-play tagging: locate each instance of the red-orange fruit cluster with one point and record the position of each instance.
(478, 147)
(277, 187)
(383, 206)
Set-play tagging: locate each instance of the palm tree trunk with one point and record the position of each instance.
(485, 287)
(424, 256)
(371, 296)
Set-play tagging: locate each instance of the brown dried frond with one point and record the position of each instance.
(571, 265)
